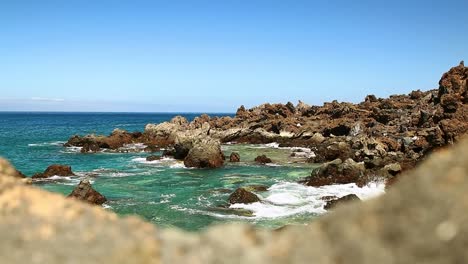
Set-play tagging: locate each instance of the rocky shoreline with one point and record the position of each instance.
(355, 143)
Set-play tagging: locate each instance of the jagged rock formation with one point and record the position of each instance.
(377, 132)
(55, 170)
(345, 199)
(422, 219)
(85, 192)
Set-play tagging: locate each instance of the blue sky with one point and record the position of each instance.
(212, 56)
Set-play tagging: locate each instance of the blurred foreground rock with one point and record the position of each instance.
(422, 219)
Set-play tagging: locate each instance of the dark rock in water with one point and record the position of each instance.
(263, 159)
(243, 196)
(336, 172)
(205, 153)
(328, 198)
(168, 153)
(234, 157)
(91, 147)
(85, 192)
(345, 199)
(153, 157)
(54, 170)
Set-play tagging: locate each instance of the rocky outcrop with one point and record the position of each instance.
(85, 192)
(262, 159)
(345, 199)
(234, 157)
(241, 195)
(399, 129)
(205, 153)
(55, 170)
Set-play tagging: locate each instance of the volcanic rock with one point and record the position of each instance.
(263, 159)
(243, 196)
(54, 170)
(85, 192)
(345, 199)
(234, 157)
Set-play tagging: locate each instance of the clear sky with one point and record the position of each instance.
(212, 56)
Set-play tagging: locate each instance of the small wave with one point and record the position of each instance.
(47, 144)
(287, 199)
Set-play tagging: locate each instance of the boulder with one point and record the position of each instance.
(153, 157)
(85, 192)
(243, 196)
(234, 157)
(55, 170)
(90, 147)
(205, 153)
(262, 159)
(345, 199)
(336, 172)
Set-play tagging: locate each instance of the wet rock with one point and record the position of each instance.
(54, 170)
(153, 158)
(335, 172)
(243, 196)
(85, 192)
(234, 157)
(345, 199)
(90, 147)
(205, 153)
(262, 159)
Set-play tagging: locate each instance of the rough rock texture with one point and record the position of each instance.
(422, 219)
(55, 170)
(345, 199)
(85, 192)
(400, 129)
(234, 157)
(205, 153)
(241, 195)
(153, 158)
(262, 159)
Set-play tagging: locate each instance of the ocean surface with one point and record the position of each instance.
(165, 192)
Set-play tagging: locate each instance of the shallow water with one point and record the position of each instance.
(165, 192)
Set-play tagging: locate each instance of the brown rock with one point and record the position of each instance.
(152, 158)
(54, 170)
(234, 157)
(85, 192)
(263, 159)
(243, 196)
(205, 153)
(345, 199)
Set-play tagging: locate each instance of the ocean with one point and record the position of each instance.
(165, 192)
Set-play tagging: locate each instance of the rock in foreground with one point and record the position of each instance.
(54, 170)
(85, 192)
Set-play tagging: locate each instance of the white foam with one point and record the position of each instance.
(45, 144)
(286, 199)
(178, 165)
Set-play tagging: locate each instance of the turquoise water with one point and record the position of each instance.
(163, 192)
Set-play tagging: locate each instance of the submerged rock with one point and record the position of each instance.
(85, 192)
(345, 199)
(234, 157)
(263, 159)
(55, 170)
(152, 158)
(243, 196)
